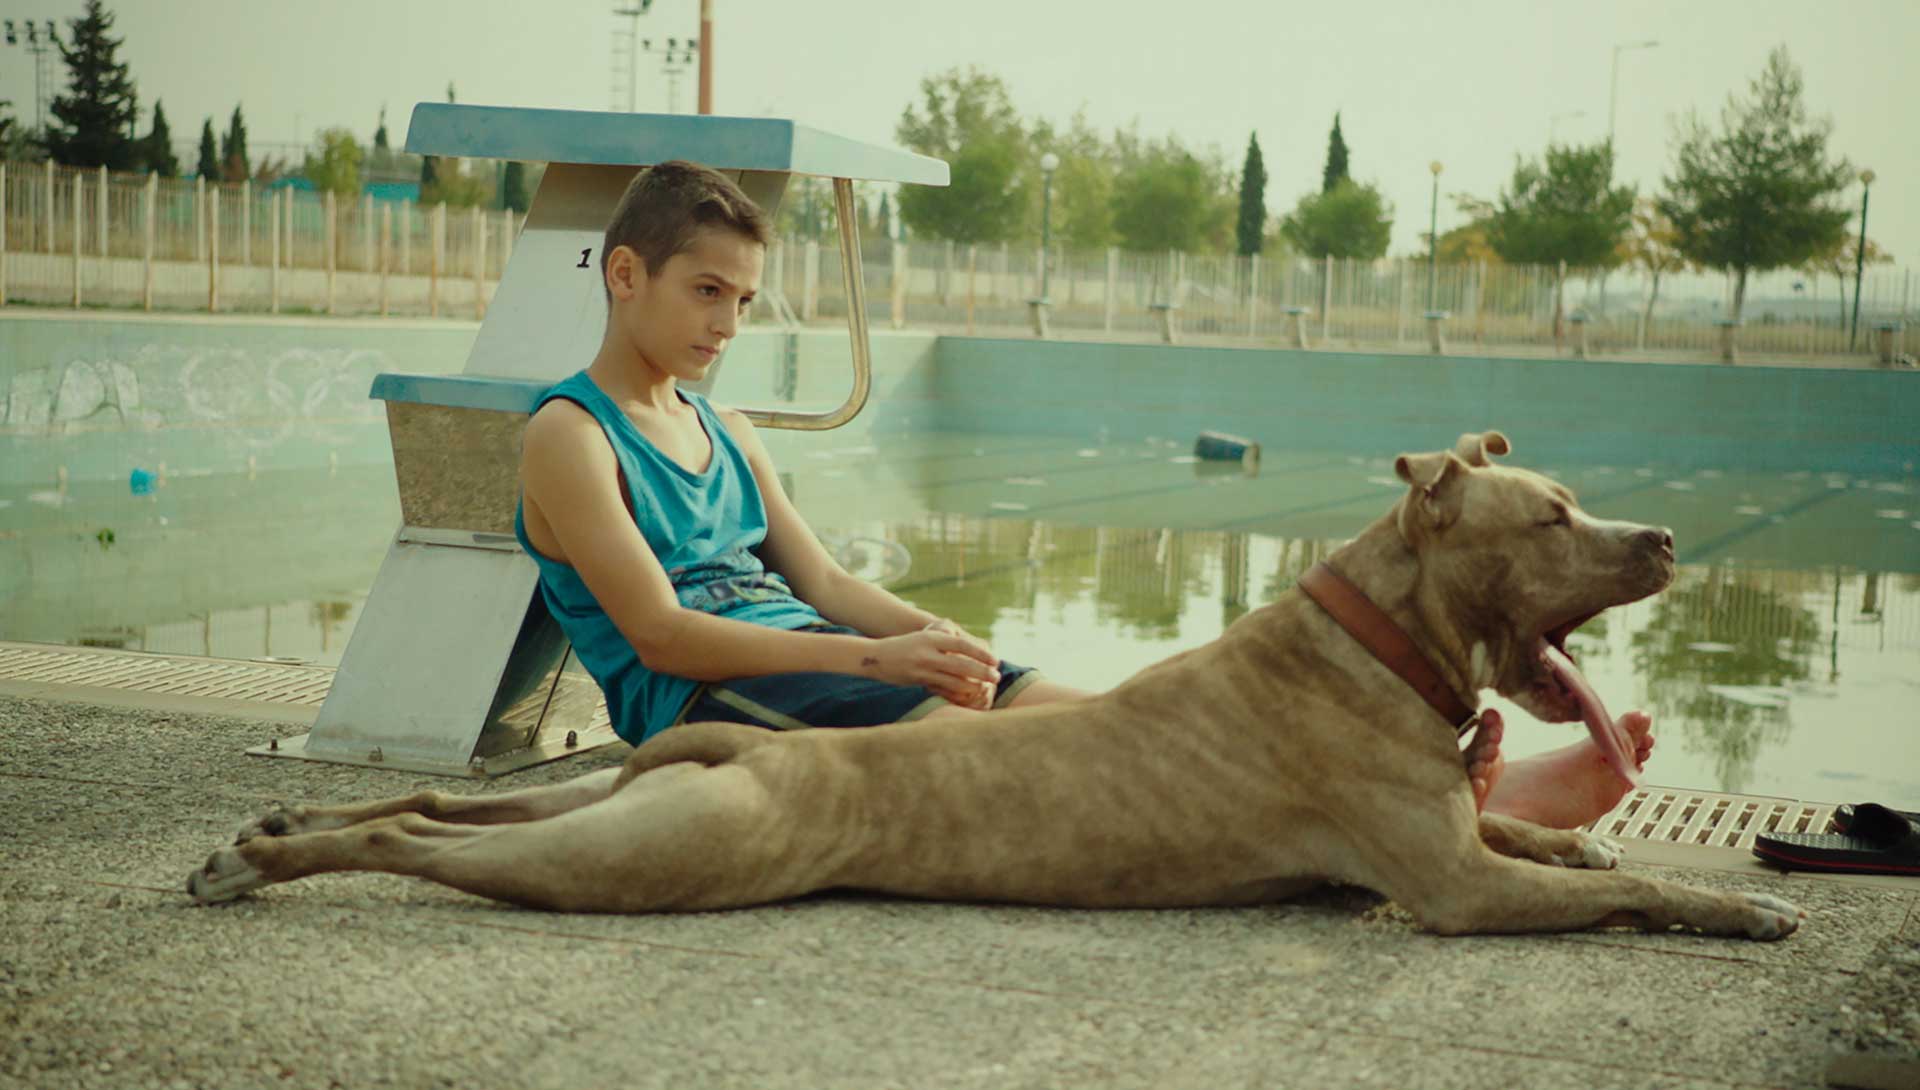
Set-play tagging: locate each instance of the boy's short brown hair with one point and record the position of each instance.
(668, 203)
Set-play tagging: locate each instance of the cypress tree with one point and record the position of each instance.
(1251, 228)
(209, 165)
(93, 122)
(513, 187)
(233, 150)
(156, 151)
(1336, 169)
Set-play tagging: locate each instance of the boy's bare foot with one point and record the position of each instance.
(1563, 789)
(1482, 756)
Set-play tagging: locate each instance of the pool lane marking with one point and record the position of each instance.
(1740, 533)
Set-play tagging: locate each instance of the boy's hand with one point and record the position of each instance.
(958, 667)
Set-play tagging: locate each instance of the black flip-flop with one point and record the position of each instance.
(1843, 816)
(1878, 840)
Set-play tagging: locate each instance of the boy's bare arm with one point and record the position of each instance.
(792, 549)
(570, 476)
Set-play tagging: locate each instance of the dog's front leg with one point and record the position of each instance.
(1484, 893)
(1519, 839)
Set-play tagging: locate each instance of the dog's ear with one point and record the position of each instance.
(1474, 448)
(1434, 501)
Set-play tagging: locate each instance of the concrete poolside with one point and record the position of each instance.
(110, 977)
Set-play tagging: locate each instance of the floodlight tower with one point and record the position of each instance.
(40, 49)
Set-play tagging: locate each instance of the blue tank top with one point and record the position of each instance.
(704, 529)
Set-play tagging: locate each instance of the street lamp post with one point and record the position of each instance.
(1613, 82)
(1433, 233)
(1860, 256)
(1048, 164)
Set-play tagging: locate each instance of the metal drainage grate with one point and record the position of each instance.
(225, 679)
(1714, 820)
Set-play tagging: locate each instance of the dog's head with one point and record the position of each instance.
(1520, 565)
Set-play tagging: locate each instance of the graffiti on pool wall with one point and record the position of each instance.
(319, 394)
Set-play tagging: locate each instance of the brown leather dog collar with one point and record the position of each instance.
(1376, 632)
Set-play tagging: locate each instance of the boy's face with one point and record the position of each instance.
(680, 320)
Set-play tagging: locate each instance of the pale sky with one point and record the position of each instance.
(1469, 84)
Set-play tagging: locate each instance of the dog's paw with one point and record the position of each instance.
(1772, 918)
(1590, 852)
(225, 876)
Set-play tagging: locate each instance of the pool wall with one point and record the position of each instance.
(1554, 410)
(100, 395)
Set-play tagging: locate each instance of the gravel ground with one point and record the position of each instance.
(1878, 1021)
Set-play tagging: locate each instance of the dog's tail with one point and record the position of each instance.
(703, 743)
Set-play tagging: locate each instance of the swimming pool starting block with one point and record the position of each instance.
(455, 666)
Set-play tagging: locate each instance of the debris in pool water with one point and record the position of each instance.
(1753, 696)
(48, 497)
(1007, 505)
(1184, 459)
(1711, 473)
(1028, 482)
(1890, 513)
(1680, 486)
(1643, 472)
(1088, 452)
(105, 538)
(1748, 509)
(1386, 481)
(1710, 648)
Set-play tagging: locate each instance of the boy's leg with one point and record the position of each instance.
(1042, 691)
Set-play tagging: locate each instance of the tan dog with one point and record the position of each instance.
(1277, 757)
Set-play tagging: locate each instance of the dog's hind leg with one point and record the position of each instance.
(527, 804)
(679, 837)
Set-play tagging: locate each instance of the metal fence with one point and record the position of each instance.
(89, 238)
(72, 237)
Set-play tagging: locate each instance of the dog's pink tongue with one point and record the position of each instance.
(1614, 742)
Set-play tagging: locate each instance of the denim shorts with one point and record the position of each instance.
(799, 701)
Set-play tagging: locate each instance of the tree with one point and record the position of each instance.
(1565, 212)
(93, 122)
(1349, 220)
(513, 184)
(967, 118)
(156, 150)
(336, 169)
(1250, 230)
(1166, 198)
(233, 150)
(1837, 261)
(884, 221)
(1335, 171)
(1651, 245)
(209, 165)
(1759, 194)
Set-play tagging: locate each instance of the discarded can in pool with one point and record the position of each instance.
(1215, 446)
(140, 482)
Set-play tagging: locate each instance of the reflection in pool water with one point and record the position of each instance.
(1782, 661)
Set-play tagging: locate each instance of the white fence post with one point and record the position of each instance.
(150, 203)
(437, 232)
(199, 218)
(386, 253)
(213, 250)
(273, 252)
(47, 210)
(406, 238)
(246, 221)
(810, 282)
(3, 233)
(366, 232)
(899, 270)
(100, 212)
(1113, 285)
(1326, 299)
(973, 263)
(479, 263)
(1253, 295)
(333, 223)
(78, 220)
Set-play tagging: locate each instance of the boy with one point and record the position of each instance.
(690, 586)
